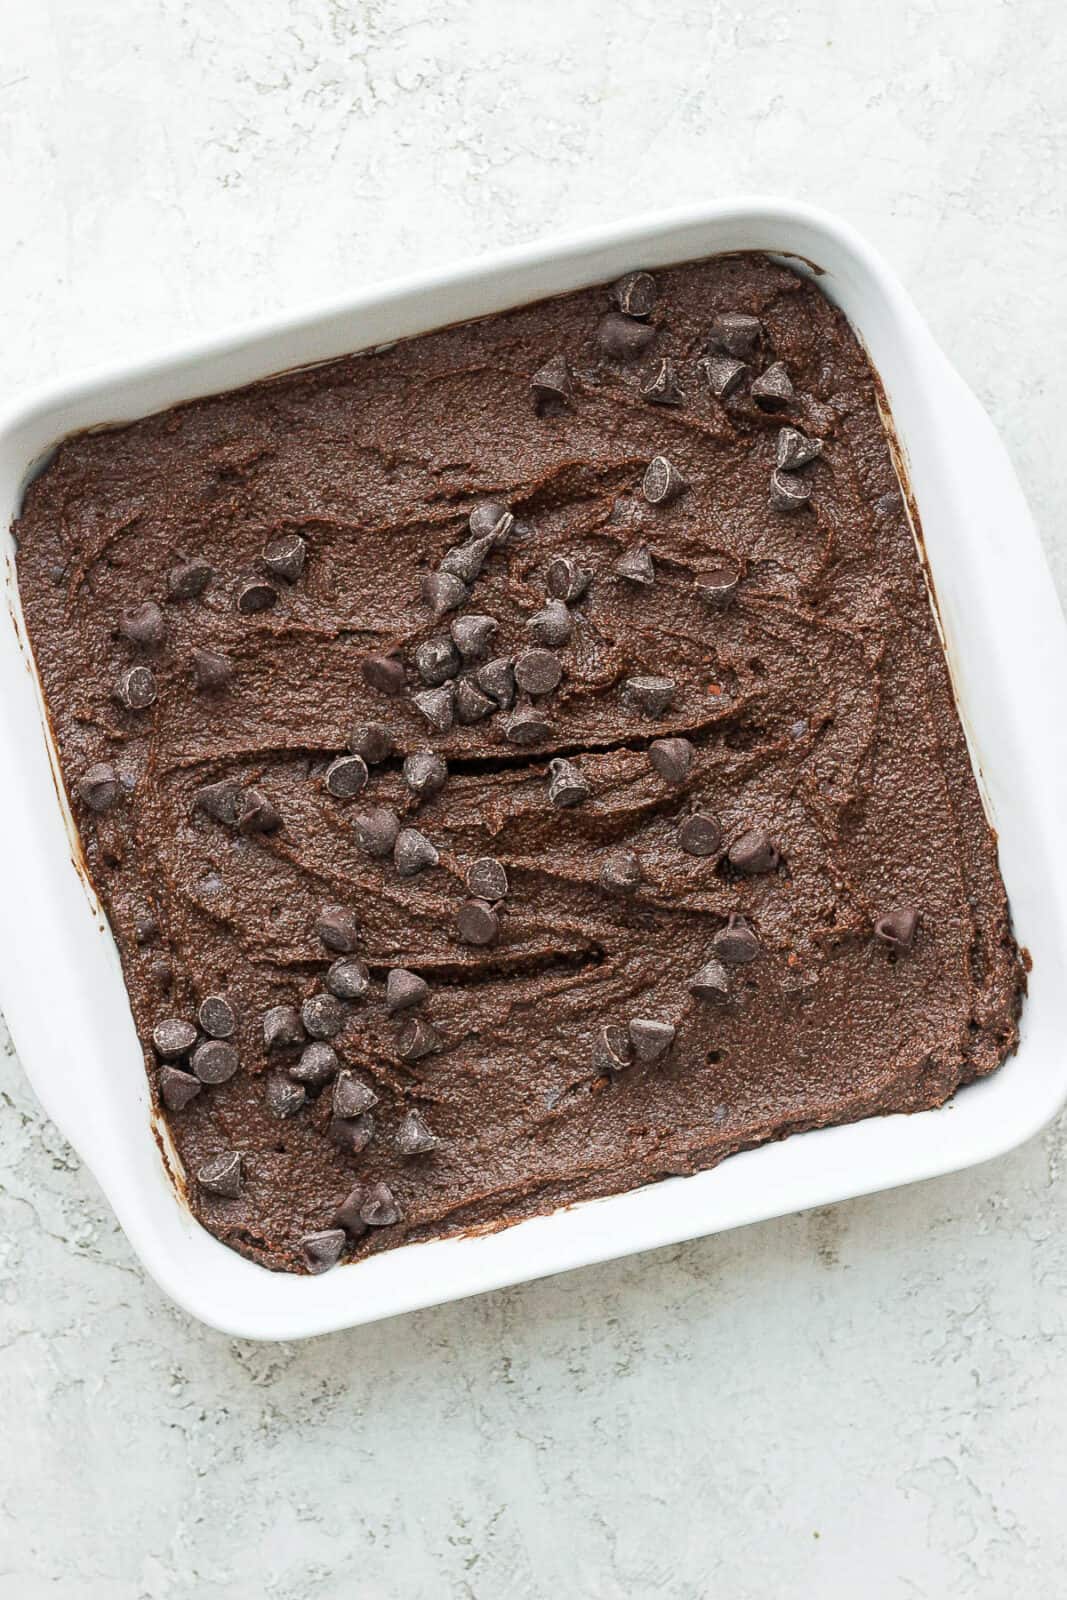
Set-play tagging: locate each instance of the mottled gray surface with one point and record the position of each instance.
(868, 1400)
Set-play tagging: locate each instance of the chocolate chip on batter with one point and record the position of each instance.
(723, 373)
(477, 922)
(438, 706)
(620, 338)
(414, 1137)
(188, 579)
(215, 1061)
(372, 742)
(282, 1027)
(413, 853)
(753, 853)
(323, 1016)
(347, 1214)
(216, 1016)
(338, 929)
(795, 449)
(487, 879)
(99, 787)
(635, 293)
(379, 1208)
(322, 1250)
(284, 1097)
(221, 1175)
(352, 1134)
(491, 519)
(348, 979)
(650, 1038)
(424, 773)
(711, 982)
(471, 704)
(375, 830)
(497, 680)
(552, 384)
(384, 673)
(258, 814)
(221, 801)
(173, 1038)
(537, 671)
(612, 1050)
(635, 564)
(735, 333)
(317, 1065)
(256, 596)
(650, 695)
(773, 389)
(897, 929)
(527, 726)
(137, 688)
(285, 556)
(465, 561)
(552, 626)
(418, 1038)
(351, 1096)
(671, 758)
(443, 592)
(566, 785)
(662, 482)
(346, 776)
(472, 636)
(143, 625)
(404, 990)
(661, 386)
(176, 1089)
(788, 492)
(211, 670)
(736, 943)
(436, 660)
(620, 872)
(700, 834)
(566, 580)
(717, 586)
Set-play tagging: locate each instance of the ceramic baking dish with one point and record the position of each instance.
(1007, 646)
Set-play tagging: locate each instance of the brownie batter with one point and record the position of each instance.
(519, 764)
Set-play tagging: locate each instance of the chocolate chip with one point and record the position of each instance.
(99, 787)
(723, 374)
(379, 1208)
(352, 1134)
(753, 853)
(650, 1039)
(773, 389)
(212, 671)
(424, 773)
(284, 1097)
(137, 688)
(897, 929)
(788, 492)
(566, 580)
(487, 879)
(436, 660)
(566, 785)
(711, 982)
(172, 1038)
(621, 338)
(671, 758)
(551, 626)
(216, 1016)
(338, 929)
(551, 384)
(717, 586)
(621, 872)
(145, 928)
(537, 671)
(651, 696)
(477, 922)
(418, 1038)
(221, 801)
(471, 704)
(662, 482)
(285, 556)
(795, 449)
(735, 333)
(321, 1251)
(497, 680)
(282, 1027)
(636, 565)
(527, 726)
(256, 596)
(413, 853)
(700, 834)
(323, 1016)
(384, 673)
(162, 974)
(347, 1214)
(612, 1050)
(465, 561)
(736, 943)
(188, 579)
(375, 830)
(221, 1175)
(491, 519)
(215, 1061)
(348, 979)
(351, 1096)
(258, 814)
(472, 636)
(661, 386)
(635, 293)
(414, 1137)
(143, 625)
(404, 989)
(438, 706)
(443, 592)
(346, 776)
(371, 741)
(176, 1089)
(317, 1065)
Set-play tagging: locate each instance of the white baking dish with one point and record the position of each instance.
(1007, 646)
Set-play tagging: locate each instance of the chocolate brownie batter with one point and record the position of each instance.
(519, 764)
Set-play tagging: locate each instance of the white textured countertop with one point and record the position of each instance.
(865, 1401)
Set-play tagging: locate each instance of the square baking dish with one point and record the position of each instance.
(1007, 649)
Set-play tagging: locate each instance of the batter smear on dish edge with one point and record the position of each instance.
(520, 764)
